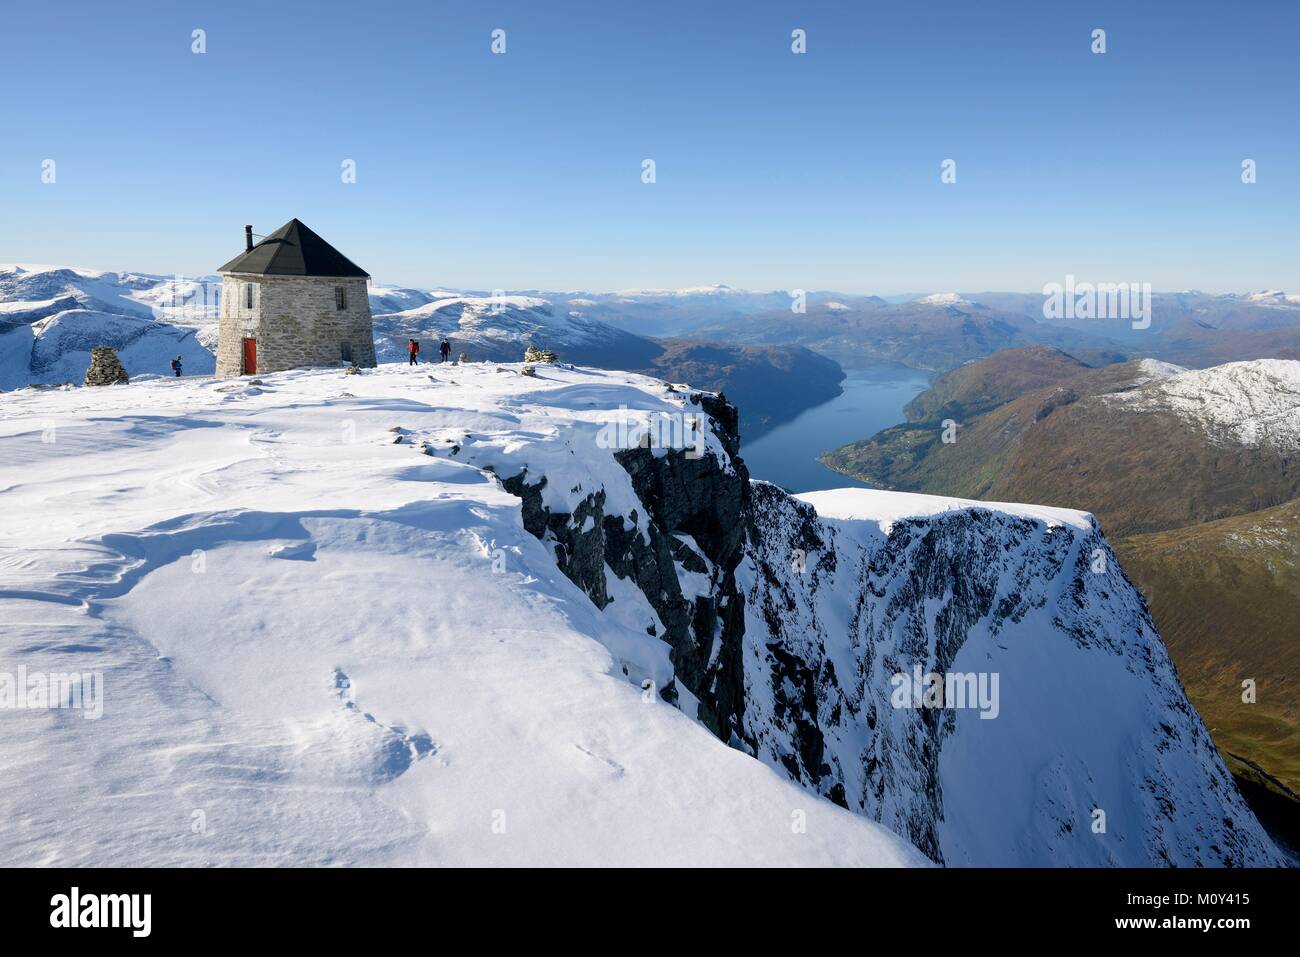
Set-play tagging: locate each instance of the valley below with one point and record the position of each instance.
(789, 455)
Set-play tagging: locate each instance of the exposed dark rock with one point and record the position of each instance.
(579, 553)
(804, 684)
(533, 354)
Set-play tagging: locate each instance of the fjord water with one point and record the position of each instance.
(873, 399)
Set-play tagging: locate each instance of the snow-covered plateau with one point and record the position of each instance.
(462, 615)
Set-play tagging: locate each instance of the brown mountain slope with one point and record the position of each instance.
(1196, 345)
(980, 386)
(1226, 598)
(1138, 469)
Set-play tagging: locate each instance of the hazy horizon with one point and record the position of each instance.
(893, 297)
(773, 169)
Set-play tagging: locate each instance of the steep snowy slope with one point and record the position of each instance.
(787, 630)
(1075, 707)
(57, 349)
(320, 645)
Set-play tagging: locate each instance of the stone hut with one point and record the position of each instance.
(292, 300)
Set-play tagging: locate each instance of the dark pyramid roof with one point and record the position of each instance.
(294, 250)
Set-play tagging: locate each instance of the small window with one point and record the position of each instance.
(248, 295)
(340, 298)
(346, 350)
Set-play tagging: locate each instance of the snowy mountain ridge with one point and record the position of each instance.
(1088, 725)
(177, 315)
(1253, 403)
(52, 316)
(464, 615)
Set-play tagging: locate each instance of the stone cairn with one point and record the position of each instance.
(105, 368)
(539, 355)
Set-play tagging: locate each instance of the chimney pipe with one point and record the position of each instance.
(248, 239)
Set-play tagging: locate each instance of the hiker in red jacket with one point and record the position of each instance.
(413, 348)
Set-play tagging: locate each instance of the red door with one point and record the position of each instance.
(250, 356)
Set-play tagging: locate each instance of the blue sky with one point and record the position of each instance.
(774, 170)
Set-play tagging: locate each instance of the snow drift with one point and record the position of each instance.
(463, 615)
(320, 645)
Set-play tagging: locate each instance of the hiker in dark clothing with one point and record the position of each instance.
(176, 366)
(445, 349)
(413, 348)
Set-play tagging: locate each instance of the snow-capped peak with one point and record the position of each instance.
(476, 304)
(1266, 298)
(944, 299)
(885, 509)
(1149, 369)
(716, 289)
(1255, 402)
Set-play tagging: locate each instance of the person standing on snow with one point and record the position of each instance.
(445, 349)
(413, 348)
(176, 366)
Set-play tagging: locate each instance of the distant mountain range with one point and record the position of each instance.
(52, 316)
(771, 383)
(1195, 475)
(753, 345)
(940, 331)
(1144, 444)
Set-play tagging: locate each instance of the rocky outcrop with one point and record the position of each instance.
(105, 368)
(533, 354)
(577, 536)
(694, 509)
(696, 519)
(788, 631)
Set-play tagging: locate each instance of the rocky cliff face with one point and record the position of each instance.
(683, 563)
(1059, 734)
